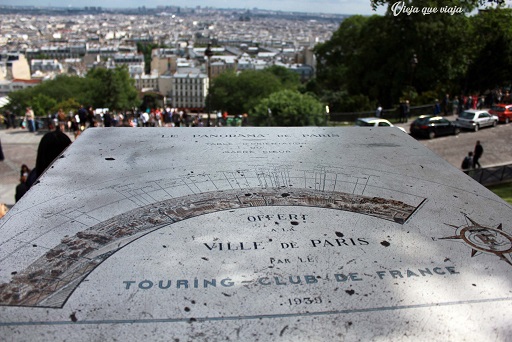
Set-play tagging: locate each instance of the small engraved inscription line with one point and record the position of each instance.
(253, 317)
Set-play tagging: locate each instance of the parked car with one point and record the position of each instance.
(376, 122)
(503, 112)
(476, 119)
(430, 126)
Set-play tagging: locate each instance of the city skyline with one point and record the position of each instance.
(311, 6)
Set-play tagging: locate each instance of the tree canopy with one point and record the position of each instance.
(238, 93)
(289, 108)
(387, 58)
(101, 88)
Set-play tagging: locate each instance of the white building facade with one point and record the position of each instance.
(189, 91)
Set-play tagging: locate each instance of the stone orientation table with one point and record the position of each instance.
(294, 234)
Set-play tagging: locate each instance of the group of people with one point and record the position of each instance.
(167, 117)
(170, 117)
(471, 161)
(404, 111)
(85, 117)
(463, 102)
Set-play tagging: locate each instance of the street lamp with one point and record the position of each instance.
(208, 54)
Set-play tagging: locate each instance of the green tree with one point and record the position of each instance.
(288, 78)
(389, 57)
(146, 49)
(112, 88)
(289, 108)
(490, 63)
(67, 105)
(42, 104)
(239, 93)
(59, 89)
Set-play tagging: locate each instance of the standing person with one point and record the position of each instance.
(437, 108)
(479, 150)
(75, 126)
(461, 106)
(467, 162)
(1, 152)
(407, 110)
(61, 117)
(185, 119)
(11, 117)
(245, 120)
(24, 169)
(107, 119)
(144, 118)
(82, 117)
(446, 104)
(52, 144)
(90, 117)
(21, 188)
(29, 117)
(378, 112)
(401, 111)
(455, 106)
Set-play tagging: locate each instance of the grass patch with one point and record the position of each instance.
(503, 190)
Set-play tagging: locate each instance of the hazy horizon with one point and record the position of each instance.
(312, 6)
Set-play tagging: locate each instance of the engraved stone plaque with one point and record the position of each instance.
(255, 234)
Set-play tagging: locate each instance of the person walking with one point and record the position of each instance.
(479, 150)
(29, 117)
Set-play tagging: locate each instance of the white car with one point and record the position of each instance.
(476, 119)
(376, 122)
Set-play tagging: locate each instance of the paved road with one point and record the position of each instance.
(20, 147)
(497, 143)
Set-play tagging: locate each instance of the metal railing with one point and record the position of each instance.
(389, 114)
(491, 175)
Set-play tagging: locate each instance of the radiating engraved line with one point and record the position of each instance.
(335, 181)
(188, 186)
(162, 188)
(211, 180)
(365, 184)
(227, 179)
(235, 174)
(355, 186)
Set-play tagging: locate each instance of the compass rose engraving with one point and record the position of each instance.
(483, 239)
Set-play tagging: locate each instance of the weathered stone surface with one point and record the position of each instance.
(255, 234)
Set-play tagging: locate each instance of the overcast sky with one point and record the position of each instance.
(316, 6)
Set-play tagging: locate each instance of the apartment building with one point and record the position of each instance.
(189, 91)
(14, 66)
(164, 61)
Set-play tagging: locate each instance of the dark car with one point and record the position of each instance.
(432, 126)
